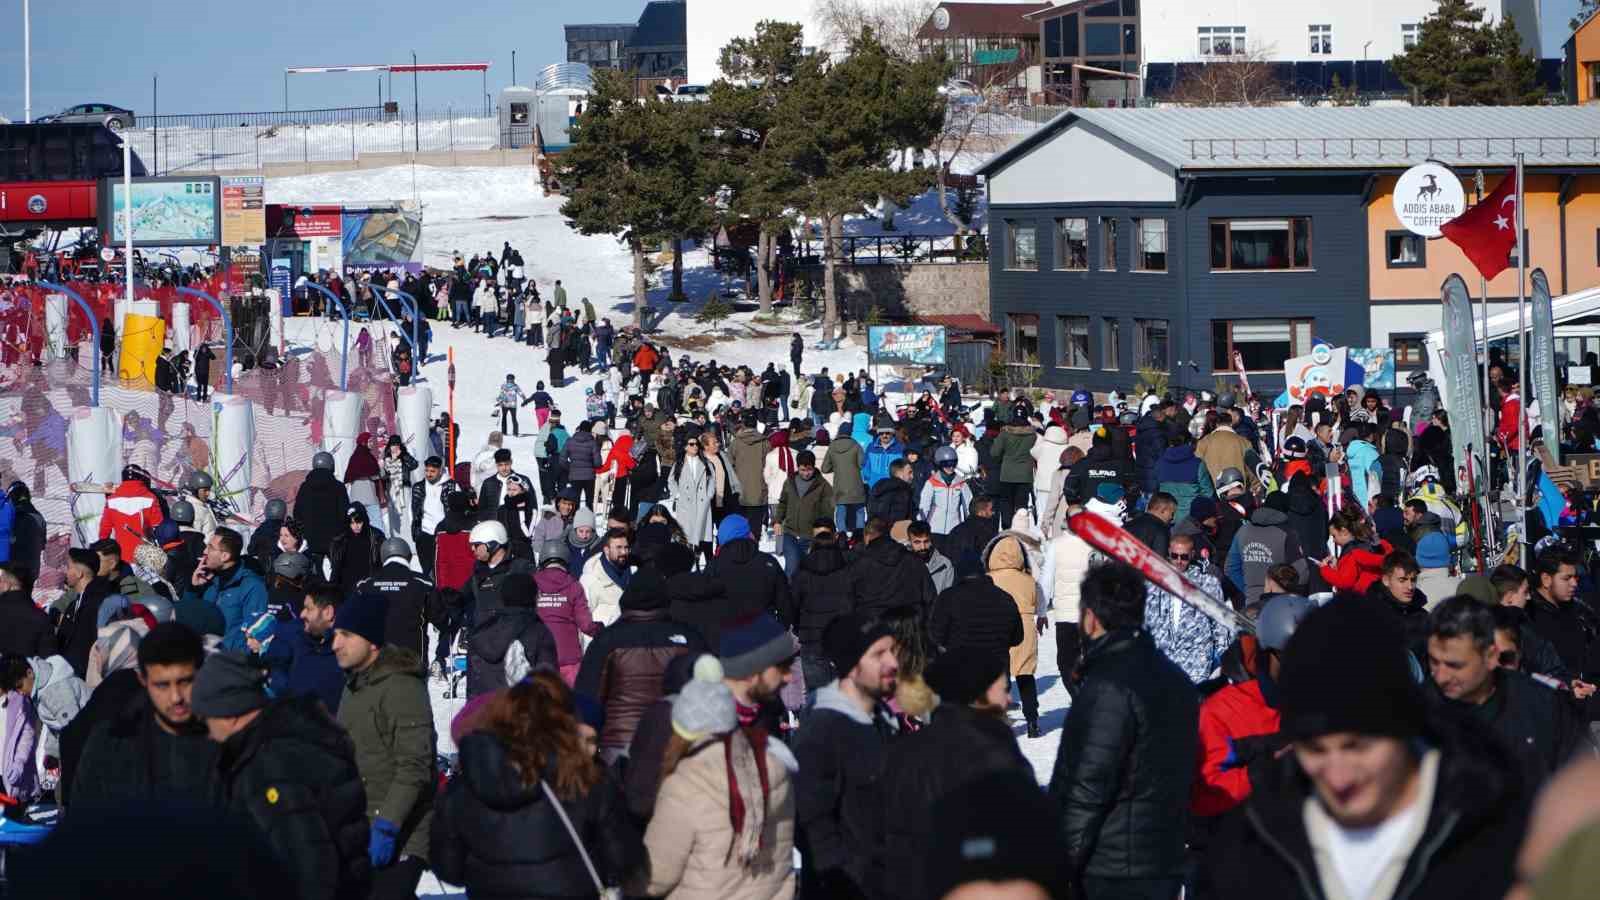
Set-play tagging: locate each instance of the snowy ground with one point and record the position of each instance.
(185, 151)
(474, 210)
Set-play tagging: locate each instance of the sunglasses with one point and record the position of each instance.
(1180, 557)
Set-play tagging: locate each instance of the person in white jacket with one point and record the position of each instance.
(58, 696)
(946, 496)
(483, 467)
(1046, 453)
(966, 451)
(605, 576)
(1067, 558)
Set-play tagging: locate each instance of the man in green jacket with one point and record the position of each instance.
(748, 449)
(560, 295)
(1011, 452)
(806, 498)
(843, 460)
(385, 709)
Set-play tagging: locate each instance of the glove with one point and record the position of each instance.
(1246, 750)
(380, 847)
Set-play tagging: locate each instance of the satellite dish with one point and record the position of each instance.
(941, 18)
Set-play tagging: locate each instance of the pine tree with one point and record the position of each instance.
(1515, 78)
(714, 312)
(1459, 60)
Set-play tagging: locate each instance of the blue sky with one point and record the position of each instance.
(222, 56)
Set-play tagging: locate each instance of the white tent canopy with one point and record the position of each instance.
(1566, 308)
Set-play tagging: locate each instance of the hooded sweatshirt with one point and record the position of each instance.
(565, 611)
(1184, 475)
(1046, 453)
(1261, 543)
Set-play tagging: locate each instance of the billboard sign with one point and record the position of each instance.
(171, 211)
(1319, 373)
(381, 236)
(914, 345)
(303, 222)
(244, 211)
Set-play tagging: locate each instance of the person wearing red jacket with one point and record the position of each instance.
(1239, 723)
(563, 607)
(1361, 554)
(1510, 410)
(645, 359)
(452, 568)
(132, 511)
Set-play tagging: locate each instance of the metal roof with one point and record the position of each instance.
(1355, 137)
(984, 19)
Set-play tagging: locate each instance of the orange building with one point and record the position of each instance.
(1581, 64)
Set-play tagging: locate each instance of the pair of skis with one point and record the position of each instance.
(1117, 543)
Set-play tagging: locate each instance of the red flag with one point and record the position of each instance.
(1487, 233)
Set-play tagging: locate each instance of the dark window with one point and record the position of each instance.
(1101, 39)
(1408, 353)
(1106, 10)
(1261, 244)
(1404, 250)
(1150, 254)
(1072, 243)
(1262, 344)
(519, 113)
(1052, 37)
(1150, 344)
(1069, 35)
(1108, 244)
(1130, 7)
(1130, 39)
(1022, 338)
(1072, 342)
(1024, 246)
(1110, 344)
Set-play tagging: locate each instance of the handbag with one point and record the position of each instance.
(599, 886)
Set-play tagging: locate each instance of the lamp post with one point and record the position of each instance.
(416, 108)
(127, 215)
(27, 65)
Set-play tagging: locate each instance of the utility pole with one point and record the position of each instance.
(155, 110)
(416, 108)
(27, 65)
(513, 67)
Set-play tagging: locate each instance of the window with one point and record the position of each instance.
(1151, 253)
(1130, 7)
(1263, 344)
(1108, 244)
(1072, 342)
(1321, 40)
(1072, 244)
(1407, 351)
(1022, 338)
(1409, 34)
(1109, 9)
(1130, 41)
(1102, 39)
(1052, 38)
(1110, 344)
(1405, 250)
(1150, 344)
(1260, 244)
(1023, 248)
(1221, 40)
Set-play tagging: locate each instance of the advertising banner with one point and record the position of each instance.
(1542, 358)
(1460, 359)
(244, 211)
(167, 212)
(1377, 366)
(1320, 372)
(914, 345)
(302, 222)
(381, 236)
(281, 281)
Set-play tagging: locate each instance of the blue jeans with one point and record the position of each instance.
(490, 325)
(794, 550)
(460, 316)
(849, 516)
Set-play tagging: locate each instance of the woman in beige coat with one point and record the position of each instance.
(701, 844)
(1009, 569)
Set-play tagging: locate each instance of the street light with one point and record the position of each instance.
(27, 66)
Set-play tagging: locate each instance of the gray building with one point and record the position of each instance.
(599, 46)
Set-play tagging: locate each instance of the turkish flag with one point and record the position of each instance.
(1487, 233)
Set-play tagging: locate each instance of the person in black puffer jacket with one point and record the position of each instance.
(1126, 764)
(974, 533)
(753, 580)
(892, 498)
(699, 601)
(321, 504)
(24, 628)
(28, 536)
(976, 613)
(496, 830)
(821, 593)
(1308, 516)
(354, 555)
(491, 664)
(885, 575)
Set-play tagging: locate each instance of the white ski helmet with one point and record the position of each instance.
(1424, 474)
(490, 533)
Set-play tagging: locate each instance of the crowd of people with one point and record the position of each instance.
(736, 614)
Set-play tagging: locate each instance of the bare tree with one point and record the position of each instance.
(1248, 79)
(969, 125)
(895, 22)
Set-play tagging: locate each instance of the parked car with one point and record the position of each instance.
(692, 93)
(113, 117)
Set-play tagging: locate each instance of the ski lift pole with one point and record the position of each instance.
(227, 329)
(377, 294)
(408, 304)
(94, 325)
(450, 431)
(344, 357)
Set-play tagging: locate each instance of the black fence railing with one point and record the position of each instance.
(880, 249)
(332, 116)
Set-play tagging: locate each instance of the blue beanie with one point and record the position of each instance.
(363, 615)
(732, 529)
(1109, 492)
(751, 645)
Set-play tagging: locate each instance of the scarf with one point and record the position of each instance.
(744, 754)
(362, 463)
(779, 441)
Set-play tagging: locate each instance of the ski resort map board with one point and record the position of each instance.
(167, 211)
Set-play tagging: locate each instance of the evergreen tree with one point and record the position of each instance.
(1459, 60)
(635, 171)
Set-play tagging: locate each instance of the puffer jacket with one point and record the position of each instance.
(582, 456)
(1125, 769)
(1308, 517)
(944, 503)
(691, 834)
(1184, 475)
(241, 596)
(1366, 475)
(601, 590)
(385, 709)
(504, 644)
(1358, 567)
(975, 612)
(624, 665)
(820, 593)
(748, 450)
(1046, 453)
(293, 772)
(501, 838)
(842, 753)
(885, 576)
(1149, 446)
(753, 580)
(1007, 563)
(843, 461)
(878, 460)
(1013, 452)
(565, 612)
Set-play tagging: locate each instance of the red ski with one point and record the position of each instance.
(1118, 544)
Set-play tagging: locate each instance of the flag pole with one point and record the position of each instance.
(1488, 390)
(1522, 364)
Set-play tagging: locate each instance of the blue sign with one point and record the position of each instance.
(280, 282)
(1376, 366)
(915, 345)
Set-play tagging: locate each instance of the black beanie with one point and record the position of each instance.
(1278, 500)
(847, 638)
(1346, 669)
(963, 674)
(998, 827)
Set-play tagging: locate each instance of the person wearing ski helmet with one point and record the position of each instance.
(320, 505)
(494, 565)
(502, 611)
(197, 490)
(184, 552)
(407, 597)
(132, 511)
(265, 537)
(564, 607)
(945, 495)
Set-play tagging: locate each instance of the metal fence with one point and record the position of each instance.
(207, 143)
(893, 248)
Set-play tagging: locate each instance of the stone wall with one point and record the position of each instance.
(902, 291)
